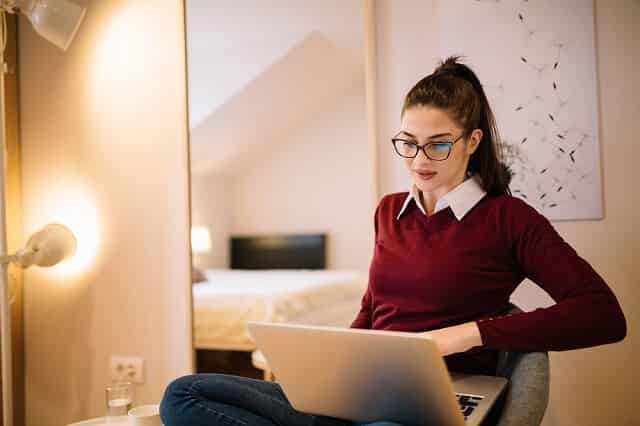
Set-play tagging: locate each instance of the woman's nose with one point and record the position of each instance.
(421, 158)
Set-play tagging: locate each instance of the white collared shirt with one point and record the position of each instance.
(461, 199)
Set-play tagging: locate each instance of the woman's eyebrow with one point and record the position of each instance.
(437, 135)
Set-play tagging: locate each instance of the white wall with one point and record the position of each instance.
(104, 138)
(589, 386)
(316, 181)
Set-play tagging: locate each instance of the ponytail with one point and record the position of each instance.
(455, 88)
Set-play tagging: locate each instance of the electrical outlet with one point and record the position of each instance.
(127, 368)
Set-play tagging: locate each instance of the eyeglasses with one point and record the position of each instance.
(437, 151)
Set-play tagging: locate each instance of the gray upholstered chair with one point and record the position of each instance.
(527, 395)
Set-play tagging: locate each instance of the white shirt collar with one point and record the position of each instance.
(461, 199)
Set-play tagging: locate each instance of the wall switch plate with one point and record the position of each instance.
(127, 369)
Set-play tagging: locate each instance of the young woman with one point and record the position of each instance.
(448, 254)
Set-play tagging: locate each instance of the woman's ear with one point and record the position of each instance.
(474, 141)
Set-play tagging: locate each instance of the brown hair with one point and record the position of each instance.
(455, 88)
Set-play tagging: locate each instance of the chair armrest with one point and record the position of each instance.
(525, 400)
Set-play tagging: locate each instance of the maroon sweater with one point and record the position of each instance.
(431, 272)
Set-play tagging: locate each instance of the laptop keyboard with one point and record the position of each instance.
(468, 403)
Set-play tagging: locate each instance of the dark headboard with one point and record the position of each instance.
(279, 252)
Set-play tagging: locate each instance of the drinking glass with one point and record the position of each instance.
(119, 398)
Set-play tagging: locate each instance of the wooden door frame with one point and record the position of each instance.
(13, 217)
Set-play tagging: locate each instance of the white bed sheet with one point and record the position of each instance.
(230, 298)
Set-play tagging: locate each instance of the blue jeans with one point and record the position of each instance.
(219, 399)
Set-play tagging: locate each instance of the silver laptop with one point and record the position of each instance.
(369, 375)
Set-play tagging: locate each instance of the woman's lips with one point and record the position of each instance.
(426, 175)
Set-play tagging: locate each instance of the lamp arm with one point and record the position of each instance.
(17, 256)
(7, 259)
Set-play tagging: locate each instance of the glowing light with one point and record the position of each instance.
(120, 60)
(76, 209)
(200, 239)
(120, 52)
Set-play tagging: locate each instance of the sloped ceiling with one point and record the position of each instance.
(306, 80)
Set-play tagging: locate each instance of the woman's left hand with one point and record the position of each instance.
(458, 338)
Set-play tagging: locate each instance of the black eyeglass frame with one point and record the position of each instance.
(424, 147)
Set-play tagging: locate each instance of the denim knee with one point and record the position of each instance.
(174, 395)
(179, 387)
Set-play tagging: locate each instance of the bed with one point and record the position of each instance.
(272, 278)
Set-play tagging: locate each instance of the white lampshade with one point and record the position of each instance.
(200, 240)
(55, 20)
(47, 247)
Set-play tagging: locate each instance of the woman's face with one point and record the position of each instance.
(424, 124)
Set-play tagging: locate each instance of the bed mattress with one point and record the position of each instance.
(228, 299)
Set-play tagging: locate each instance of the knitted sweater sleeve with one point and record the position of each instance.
(364, 317)
(586, 312)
